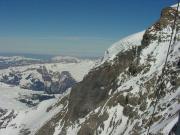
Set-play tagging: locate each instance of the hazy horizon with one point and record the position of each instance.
(74, 27)
(45, 56)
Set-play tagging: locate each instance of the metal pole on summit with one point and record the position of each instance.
(157, 92)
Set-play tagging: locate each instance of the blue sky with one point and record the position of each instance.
(72, 27)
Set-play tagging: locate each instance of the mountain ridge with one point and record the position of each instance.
(117, 97)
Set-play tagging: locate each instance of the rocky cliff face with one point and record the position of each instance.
(117, 97)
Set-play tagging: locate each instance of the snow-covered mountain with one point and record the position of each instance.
(118, 96)
(51, 78)
(6, 62)
(16, 59)
(26, 100)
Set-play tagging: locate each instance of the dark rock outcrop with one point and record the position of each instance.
(94, 88)
(13, 78)
(64, 82)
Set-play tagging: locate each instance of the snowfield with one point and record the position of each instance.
(9, 95)
(25, 118)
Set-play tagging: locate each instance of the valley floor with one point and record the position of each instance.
(20, 118)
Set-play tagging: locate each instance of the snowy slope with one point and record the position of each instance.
(123, 45)
(122, 123)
